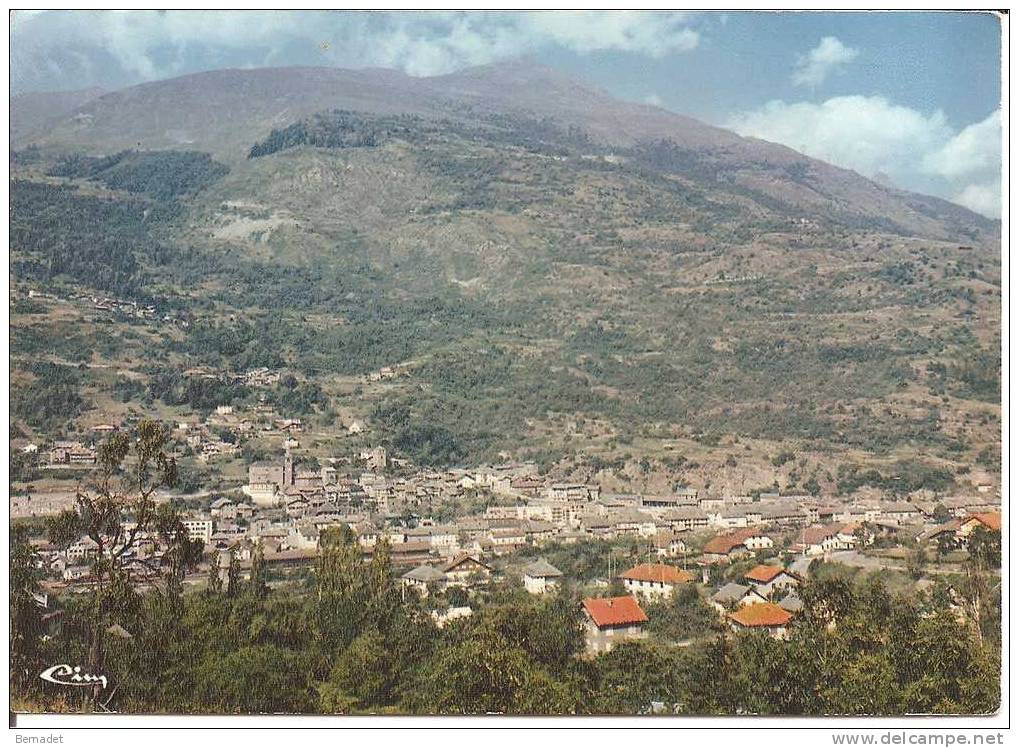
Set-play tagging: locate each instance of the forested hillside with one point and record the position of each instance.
(547, 294)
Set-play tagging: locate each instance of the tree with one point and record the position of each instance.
(131, 467)
(258, 584)
(25, 619)
(364, 675)
(233, 575)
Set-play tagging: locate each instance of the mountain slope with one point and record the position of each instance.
(31, 112)
(226, 111)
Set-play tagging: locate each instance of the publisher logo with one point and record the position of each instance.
(66, 675)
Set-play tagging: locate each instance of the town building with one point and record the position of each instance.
(612, 620)
(541, 577)
(654, 580)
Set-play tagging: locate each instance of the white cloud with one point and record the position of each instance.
(154, 44)
(981, 198)
(813, 68)
(976, 149)
(870, 135)
(653, 99)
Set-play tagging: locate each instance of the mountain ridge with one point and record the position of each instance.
(226, 111)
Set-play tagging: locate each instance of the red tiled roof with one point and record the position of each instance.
(763, 573)
(614, 611)
(725, 543)
(990, 520)
(657, 573)
(761, 614)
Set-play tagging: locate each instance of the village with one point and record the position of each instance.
(745, 556)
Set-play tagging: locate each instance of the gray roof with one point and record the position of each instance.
(730, 593)
(425, 573)
(542, 568)
(791, 603)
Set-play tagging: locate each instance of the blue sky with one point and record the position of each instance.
(912, 98)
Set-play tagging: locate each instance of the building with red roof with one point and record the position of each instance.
(770, 578)
(654, 580)
(733, 545)
(611, 620)
(988, 520)
(761, 617)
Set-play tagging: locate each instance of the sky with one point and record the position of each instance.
(912, 99)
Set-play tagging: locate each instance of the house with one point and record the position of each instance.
(654, 580)
(817, 541)
(767, 580)
(767, 617)
(990, 521)
(610, 620)
(422, 577)
(668, 544)
(736, 544)
(464, 569)
(734, 595)
(541, 577)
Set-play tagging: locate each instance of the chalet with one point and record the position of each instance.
(465, 569)
(767, 617)
(541, 577)
(423, 579)
(734, 595)
(768, 580)
(610, 620)
(654, 580)
(736, 544)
